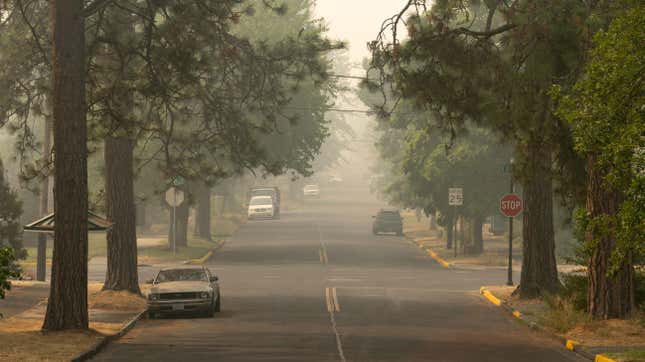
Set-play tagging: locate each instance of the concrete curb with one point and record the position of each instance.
(431, 253)
(100, 345)
(569, 344)
(206, 256)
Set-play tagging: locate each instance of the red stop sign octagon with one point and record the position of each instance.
(511, 205)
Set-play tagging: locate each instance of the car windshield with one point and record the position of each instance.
(389, 215)
(263, 192)
(182, 275)
(260, 201)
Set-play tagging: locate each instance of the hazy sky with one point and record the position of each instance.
(356, 21)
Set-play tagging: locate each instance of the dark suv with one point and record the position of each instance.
(388, 220)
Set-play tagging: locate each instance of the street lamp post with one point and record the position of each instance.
(510, 231)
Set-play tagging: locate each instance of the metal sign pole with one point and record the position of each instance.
(510, 237)
(174, 224)
(454, 233)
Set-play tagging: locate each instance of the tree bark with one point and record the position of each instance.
(203, 214)
(122, 271)
(449, 232)
(609, 296)
(181, 222)
(477, 223)
(67, 303)
(41, 260)
(539, 270)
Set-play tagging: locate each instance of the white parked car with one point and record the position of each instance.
(261, 207)
(311, 191)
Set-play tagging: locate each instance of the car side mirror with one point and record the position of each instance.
(214, 278)
(150, 281)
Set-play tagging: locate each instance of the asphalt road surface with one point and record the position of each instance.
(317, 286)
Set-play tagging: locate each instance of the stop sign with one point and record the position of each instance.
(511, 205)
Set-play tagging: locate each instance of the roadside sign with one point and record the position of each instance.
(174, 197)
(511, 205)
(455, 196)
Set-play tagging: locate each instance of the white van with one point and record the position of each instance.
(261, 207)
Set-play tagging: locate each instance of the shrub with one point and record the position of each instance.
(7, 270)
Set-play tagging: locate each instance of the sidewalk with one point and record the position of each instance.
(22, 296)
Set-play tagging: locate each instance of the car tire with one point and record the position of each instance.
(217, 307)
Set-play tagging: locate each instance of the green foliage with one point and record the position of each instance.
(574, 289)
(606, 109)
(10, 212)
(7, 270)
(561, 314)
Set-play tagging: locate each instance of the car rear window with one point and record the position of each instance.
(390, 215)
(261, 201)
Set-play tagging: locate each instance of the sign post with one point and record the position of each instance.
(455, 198)
(174, 198)
(510, 205)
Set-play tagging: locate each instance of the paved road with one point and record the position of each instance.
(317, 286)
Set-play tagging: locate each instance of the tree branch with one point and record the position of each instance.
(94, 7)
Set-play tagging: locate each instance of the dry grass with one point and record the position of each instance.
(612, 332)
(559, 316)
(21, 338)
(114, 300)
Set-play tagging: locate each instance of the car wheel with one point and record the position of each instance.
(217, 307)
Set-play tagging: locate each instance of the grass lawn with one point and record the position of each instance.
(495, 246)
(97, 246)
(629, 356)
(197, 248)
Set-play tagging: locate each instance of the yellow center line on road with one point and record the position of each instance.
(323, 256)
(328, 300)
(336, 304)
(331, 299)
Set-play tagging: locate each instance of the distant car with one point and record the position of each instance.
(271, 191)
(387, 221)
(184, 289)
(311, 191)
(262, 207)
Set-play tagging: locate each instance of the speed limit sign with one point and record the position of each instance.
(455, 196)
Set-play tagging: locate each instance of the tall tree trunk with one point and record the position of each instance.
(141, 220)
(122, 271)
(41, 261)
(181, 222)
(450, 234)
(539, 270)
(477, 223)
(432, 219)
(609, 296)
(67, 303)
(203, 214)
